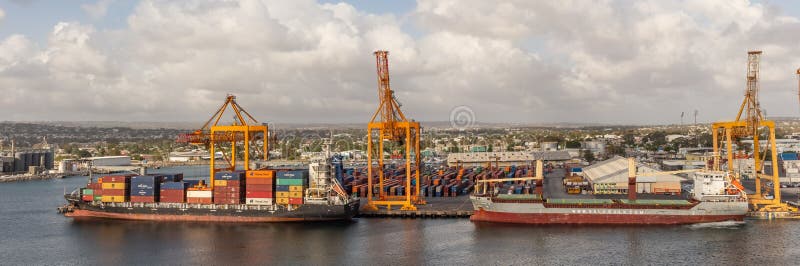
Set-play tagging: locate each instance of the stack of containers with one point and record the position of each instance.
(228, 187)
(93, 192)
(290, 186)
(259, 187)
(173, 192)
(145, 188)
(116, 188)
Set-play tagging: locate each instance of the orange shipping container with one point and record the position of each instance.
(260, 181)
(295, 194)
(282, 200)
(260, 174)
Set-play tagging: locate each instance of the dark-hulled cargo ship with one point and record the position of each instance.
(243, 197)
(714, 199)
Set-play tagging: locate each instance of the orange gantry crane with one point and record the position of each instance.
(392, 126)
(245, 131)
(751, 126)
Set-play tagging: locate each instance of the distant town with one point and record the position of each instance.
(666, 147)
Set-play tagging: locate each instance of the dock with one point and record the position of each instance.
(444, 207)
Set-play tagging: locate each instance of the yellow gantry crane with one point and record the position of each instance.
(245, 131)
(392, 126)
(750, 126)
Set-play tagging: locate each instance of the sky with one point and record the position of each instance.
(304, 61)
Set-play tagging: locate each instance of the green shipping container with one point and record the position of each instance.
(88, 191)
(290, 182)
(98, 198)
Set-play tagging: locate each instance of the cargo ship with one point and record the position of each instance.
(255, 196)
(715, 198)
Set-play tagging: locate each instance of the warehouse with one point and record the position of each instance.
(611, 177)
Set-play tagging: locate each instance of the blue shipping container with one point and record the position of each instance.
(143, 192)
(236, 175)
(172, 177)
(173, 185)
(143, 185)
(191, 183)
(296, 174)
(281, 188)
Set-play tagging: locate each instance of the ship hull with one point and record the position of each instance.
(600, 219)
(536, 213)
(213, 213)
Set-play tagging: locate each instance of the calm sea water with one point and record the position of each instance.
(32, 233)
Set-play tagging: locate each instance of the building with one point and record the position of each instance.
(595, 146)
(187, 156)
(474, 159)
(611, 177)
(110, 161)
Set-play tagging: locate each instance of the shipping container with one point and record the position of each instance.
(295, 201)
(281, 188)
(291, 182)
(88, 191)
(295, 194)
(199, 194)
(115, 179)
(260, 181)
(259, 201)
(295, 174)
(114, 192)
(202, 200)
(115, 185)
(143, 199)
(235, 175)
(261, 174)
(295, 188)
(113, 198)
(259, 194)
(254, 187)
(282, 194)
(87, 197)
(98, 198)
(220, 183)
(171, 177)
(282, 200)
(173, 185)
(145, 192)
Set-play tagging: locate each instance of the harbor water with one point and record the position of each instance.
(34, 234)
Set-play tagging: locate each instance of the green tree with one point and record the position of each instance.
(588, 156)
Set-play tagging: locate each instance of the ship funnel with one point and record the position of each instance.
(631, 179)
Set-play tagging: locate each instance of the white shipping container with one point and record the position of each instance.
(258, 201)
(198, 194)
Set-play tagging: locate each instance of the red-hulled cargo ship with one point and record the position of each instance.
(714, 199)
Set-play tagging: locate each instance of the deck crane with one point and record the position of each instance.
(391, 125)
(750, 126)
(244, 129)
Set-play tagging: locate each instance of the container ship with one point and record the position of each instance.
(715, 198)
(251, 196)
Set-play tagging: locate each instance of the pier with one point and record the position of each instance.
(443, 207)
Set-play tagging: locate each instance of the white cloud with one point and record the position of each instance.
(97, 10)
(2, 15)
(300, 61)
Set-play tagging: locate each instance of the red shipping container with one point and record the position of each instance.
(145, 199)
(295, 201)
(227, 189)
(116, 178)
(98, 192)
(227, 201)
(251, 187)
(199, 200)
(87, 197)
(260, 181)
(114, 192)
(259, 194)
(172, 199)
